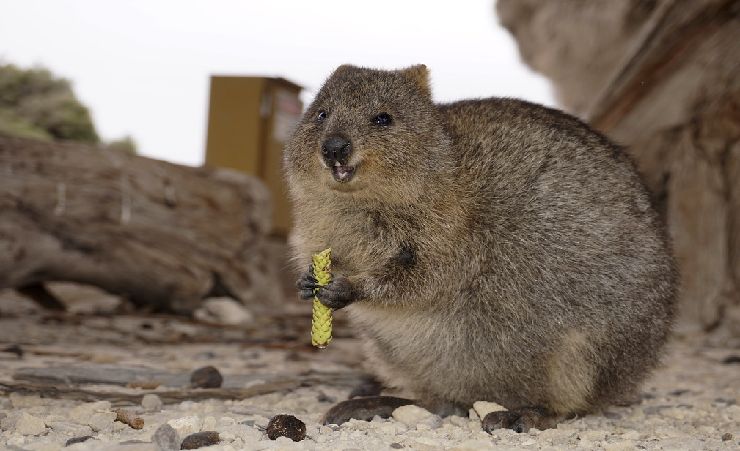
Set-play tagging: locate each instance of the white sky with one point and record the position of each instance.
(142, 66)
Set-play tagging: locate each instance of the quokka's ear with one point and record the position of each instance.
(419, 74)
(343, 68)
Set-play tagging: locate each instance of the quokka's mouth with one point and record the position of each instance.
(342, 173)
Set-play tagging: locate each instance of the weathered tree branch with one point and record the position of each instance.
(160, 234)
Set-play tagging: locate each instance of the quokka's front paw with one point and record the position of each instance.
(338, 293)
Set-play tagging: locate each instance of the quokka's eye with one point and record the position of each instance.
(383, 119)
(322, 115)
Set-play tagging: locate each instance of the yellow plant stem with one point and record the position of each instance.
(321, 314)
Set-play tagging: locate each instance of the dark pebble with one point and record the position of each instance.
(502, 419)
(395, 445)
(206, 377)
(726, 437)
(200, 439)
(323, 397)
(679, 392)
(286, 426)
(727, 401)
(730, 359)
(14, 349)
(655, 410)
(74, 440)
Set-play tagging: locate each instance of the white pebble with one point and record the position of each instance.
(102, 421)
(473, 415)
(186, 425)
(29, 425)
(224, 310)
(83, 413)
(412, 415)
(151, 403)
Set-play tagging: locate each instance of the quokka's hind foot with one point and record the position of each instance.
(519, 420)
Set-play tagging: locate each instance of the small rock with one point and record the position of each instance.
(679, 392)
(70, 429)
(323, 397)
(200, 439)
(29, 425)
(284, 442)
(726, 401)
(119, 427)
(483, 408)
(151, 403)
(102, 421)
(14, 349)
(412, 415)
(206, 377)
(457, 421)
(74, 440)
(224, 310)
(396, 445)
(731, 359)
(727, 436)
(209, 423)
(473, 415)
(84, 412)
(187, 425)
(166, 438)
(286, 426)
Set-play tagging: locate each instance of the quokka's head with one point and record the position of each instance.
(371, 134)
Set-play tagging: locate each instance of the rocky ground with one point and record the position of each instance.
(97, 380)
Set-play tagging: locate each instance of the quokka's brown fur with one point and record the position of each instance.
(499, 250)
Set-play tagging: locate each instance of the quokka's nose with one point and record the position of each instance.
(336, 148)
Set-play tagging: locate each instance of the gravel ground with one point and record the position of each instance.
(691, 402)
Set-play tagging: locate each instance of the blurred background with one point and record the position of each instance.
(143, 68)
(143, 217)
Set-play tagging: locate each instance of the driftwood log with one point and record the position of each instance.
(663, 78)
(160, 234)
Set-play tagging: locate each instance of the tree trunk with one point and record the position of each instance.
(662, 77)
(160, 234)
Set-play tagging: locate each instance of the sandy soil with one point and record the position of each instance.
(691, 402)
